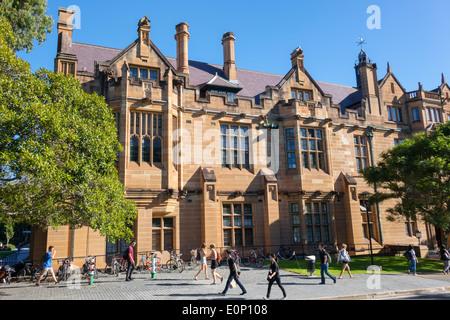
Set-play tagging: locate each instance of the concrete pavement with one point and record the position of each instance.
(181, 286)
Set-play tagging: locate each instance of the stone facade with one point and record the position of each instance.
(224, 123)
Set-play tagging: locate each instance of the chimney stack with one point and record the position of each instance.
(65, 29)
(229, 62)
(182, 37)
(144, 38)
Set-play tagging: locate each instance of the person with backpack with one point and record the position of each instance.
(129, 257)
(215, 263)
(274, 276)
(48, 265)
(325, 260)
(411, 256)
(445, 257)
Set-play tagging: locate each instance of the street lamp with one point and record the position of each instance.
(365, 196)
(418, 235)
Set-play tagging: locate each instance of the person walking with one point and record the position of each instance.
(214, 264)
(130, 260)
(48, 265)
(274, 276)
(411, 255)
(324, 264)
(234, 275)
(344, 257)
(445, 257)
(202, 252)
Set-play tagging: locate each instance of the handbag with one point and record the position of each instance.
(233, 284)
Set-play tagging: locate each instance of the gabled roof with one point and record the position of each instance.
(252, 83)
(221, 83)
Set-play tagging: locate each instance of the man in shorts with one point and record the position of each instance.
(48, 265)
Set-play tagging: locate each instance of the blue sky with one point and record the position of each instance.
(414, 34)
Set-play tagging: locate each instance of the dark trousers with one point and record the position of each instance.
(271, 281)
(231, 277)
(131, 267)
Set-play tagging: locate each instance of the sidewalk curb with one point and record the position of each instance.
(378, 295)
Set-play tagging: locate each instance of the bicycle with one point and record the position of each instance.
(25, 269)
(193, 263)
(253, 259)
(64, 271)
(118, 265)
(175, 262)
(146, 263)
(282, 254)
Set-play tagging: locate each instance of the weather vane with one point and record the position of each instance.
(361, 42)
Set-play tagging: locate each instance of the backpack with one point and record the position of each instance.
(125, 254)
(408, 255)
(328, 257)
(219, 258)
(198, 255)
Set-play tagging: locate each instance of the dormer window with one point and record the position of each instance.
(230, 95)
(143, 73)
(302, 95)
(217, 84)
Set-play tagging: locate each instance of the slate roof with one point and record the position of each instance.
(253, 83)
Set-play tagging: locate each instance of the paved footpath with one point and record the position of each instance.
(182, 286)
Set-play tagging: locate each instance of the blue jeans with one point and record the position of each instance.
(324, 270)
(413, 265)
(230, 278)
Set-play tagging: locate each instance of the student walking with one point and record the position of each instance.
(411, 255)
(48, 265)
(324, 264)
(274, 276)
(344, 257)
(130, 260)
(445, 257)
(202, 252)
(234, 275)
(214, 263)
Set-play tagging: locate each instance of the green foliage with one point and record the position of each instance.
(418, 173)
(28, 22)
(58, 147)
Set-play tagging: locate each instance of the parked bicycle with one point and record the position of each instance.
(65, 270)
(175, 262)
(253, 259)
(116, 266)
(6, 273)
(24, 269)
(146, 263)
(285, 254)
(193, 263)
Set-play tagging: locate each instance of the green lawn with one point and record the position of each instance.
(358, 265)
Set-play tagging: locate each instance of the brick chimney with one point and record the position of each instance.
(229, 62)
(182, 37)
(65, 29)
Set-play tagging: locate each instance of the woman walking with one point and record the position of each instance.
(344, 257)
(445, 257)
(274, 276)
(411, 255)
(202, 252)
(214, 264)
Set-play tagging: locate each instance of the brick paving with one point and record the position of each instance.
(181, 286)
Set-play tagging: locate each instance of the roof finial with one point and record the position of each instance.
(361, 42)
(389, 70)
(443, 78)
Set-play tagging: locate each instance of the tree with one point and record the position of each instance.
(58, 148)
(28, 22)
(417, 172)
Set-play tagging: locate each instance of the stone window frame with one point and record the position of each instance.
(160, 230)
(434, 115)
(295, 218)
(395, 114)
(290, 154)
(146, 126)
(361, 152)
(236, 133)
(301, 94)
(136, 77)
(415, 114)
(317, 221)
(234, 221)
(310, 147)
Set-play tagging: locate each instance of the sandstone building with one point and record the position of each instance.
(240, 158)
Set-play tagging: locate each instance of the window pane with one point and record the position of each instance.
(324, 219)
(247, 208)
(157, 154)
(226, 208)
(248, 221)
(295, 219)
(143, 73)
(316, 207)
(238, 237)
(223, 129)
(309, 233)
(134, 149)
(324, 207)
(227, 237)
(146, 150)
(224, 158)
(296, 233)
(168, 239)
(249, 237)
(317, 234)
(226, 221)
(244, 131)
(305, 160)
(156, 222)
(293, 95)
(168, 222)
(290, 146)
(313, 160)
(311, 133)
(322, 161)
(326, 234)
(319, 134)
(316, 219)
(308, 219)
(291, 160)
(294, 208)
(308, 207)
(303, 132)
(153, 75)
(235, 159)
(237, 208)
(320, 145)
(238, 221)
(156, 240)
(289, 133)
(312, 145)
(134, 73)
(304, 144)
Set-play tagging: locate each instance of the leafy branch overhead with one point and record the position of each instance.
(418, 173)
(58, 147)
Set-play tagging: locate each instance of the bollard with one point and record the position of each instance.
(92, 280)
(153, 267)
